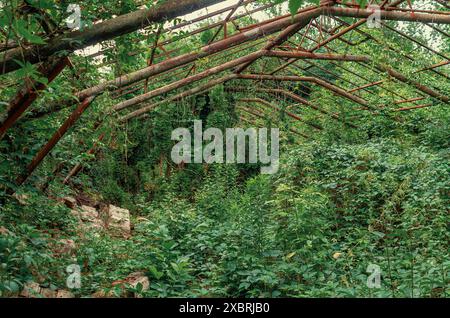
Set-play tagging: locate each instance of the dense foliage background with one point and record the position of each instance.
(343, 199)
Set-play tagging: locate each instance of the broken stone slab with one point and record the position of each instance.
(61, 293)
(31, 290)
(118, 222)
(70, 202)
(88, 219)
(48, 293)
(88, 213)
(34, 290)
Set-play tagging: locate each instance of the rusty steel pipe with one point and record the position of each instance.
(44, 151)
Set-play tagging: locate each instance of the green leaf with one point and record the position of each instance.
(294, 5)
(22, 30)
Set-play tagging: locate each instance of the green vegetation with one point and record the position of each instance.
(343, 199)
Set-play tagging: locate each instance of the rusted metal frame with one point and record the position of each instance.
(400, 77)
(106, 30)
(337, 65)
(168, 72)
(252, 112)
(368, 80)
(218, 56)
(199, 30)
(423, 88)
(182, 95)
(387, 15)
(371, 37)
(402, 34)
(299, 46)
(242, 118)
(433, 66)
(190, 57)
(292, 115)
(404, 79)
(140, 85)
(366, 86)
(216, 24)
(319, 77)
(379, 72)
(419, 11)
(355, 5)
(267, 90)
(261, 114)
(331, 87)
(297, 98)
(413, 107)
(397, 51)
(317, 56)
(328, 72)
(325, 70)
(227, 18)
(320, 28)
(320, 34)
(152, 54)
(353, 73)
(225, 66)
(209, 15)
(291, 72)
(266, 22)
(337, 35)
(358, 75)
(45, 150)
(321, 44)
(252, 26)
(311, 103)
(196, 90)
(408, 100)
(28, 94)
(250, 122)
(186, 81)
(309, 12)
(303, 88)
(165, 54)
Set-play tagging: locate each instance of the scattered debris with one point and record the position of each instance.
(65, 247)
(4, 231)
(21, 198)
(337, 255)
(70, 202)
(134, 280)
(34, 290)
